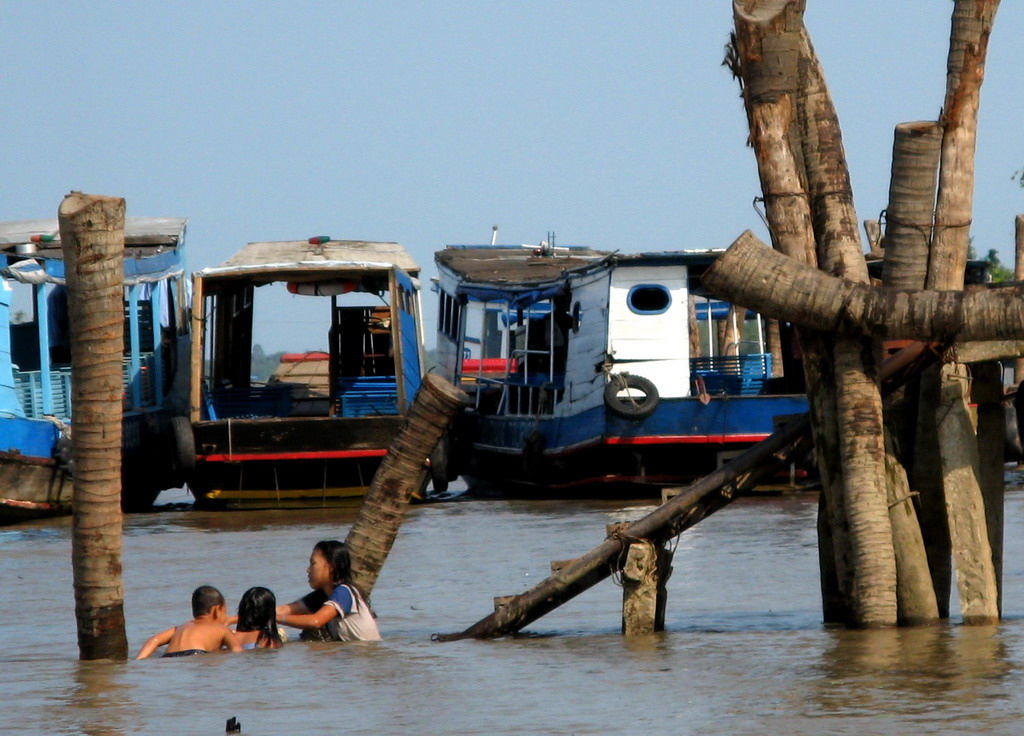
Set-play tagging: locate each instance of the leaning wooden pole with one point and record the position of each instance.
(92, 237)
(694, 503)
(399, 476)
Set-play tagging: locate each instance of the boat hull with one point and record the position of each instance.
(597, 452)
(295, 462)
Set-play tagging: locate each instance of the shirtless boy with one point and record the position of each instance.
(207, 631)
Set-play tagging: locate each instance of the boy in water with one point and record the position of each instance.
(207, 631)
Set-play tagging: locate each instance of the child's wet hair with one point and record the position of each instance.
(338, 559)
(204, 599)
(257, 611)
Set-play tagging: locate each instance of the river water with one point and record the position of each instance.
(744, 651)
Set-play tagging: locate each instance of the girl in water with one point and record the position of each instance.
(257, 620)
(335, 610)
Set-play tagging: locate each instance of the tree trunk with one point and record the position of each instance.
(965, 510)
(908, 216)
(1018, 274)
(399, 476)
(859, 403)
(751, 273)
(987, 395)
(914, 593)
(92, 238)
(766, 58)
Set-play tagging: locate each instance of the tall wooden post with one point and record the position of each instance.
(1018, 275)
(399, 476)
(92, 237)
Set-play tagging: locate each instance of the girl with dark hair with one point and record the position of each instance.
(257, 620)
(336, 610)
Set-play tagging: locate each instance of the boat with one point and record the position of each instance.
(595, 371)
(36, 413)
(313, 432)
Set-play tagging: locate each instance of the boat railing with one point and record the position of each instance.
(29, 388)
(248, 402)
(367, 396)
(735, 375)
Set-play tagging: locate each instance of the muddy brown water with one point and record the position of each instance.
(744, 651)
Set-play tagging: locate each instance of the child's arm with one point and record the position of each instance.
(230, 641)
(287, 609)
(308, 620)
(155, 641)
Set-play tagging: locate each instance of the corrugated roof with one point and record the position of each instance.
(279, 259)
(515, 265)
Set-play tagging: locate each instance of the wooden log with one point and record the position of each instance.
(965, 511)
(915, 594)
(750, 272)
(987, 396)
(1018, 274)
(92, 238)
(908, 216)
(766, 57)
(644, 574)
(399, 476)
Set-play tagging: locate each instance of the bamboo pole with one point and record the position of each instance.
(92, 238)
(399, 476)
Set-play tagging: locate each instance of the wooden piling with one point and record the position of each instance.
(399, 476)
(92, 238)
(644, 575)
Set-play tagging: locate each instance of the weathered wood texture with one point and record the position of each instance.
(908, 216)
(644, 575)
(752, 273)
(766, 58)
(972, 553)
(398, 477)
(1018, 274)
(92, 238)
(965, 70)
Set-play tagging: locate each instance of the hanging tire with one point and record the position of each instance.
(183, 453)
(630, 397)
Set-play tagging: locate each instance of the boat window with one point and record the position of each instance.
(649, 299)
(448, 316)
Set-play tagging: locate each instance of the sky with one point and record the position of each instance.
(427, 122)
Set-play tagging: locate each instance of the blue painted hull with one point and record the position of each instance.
(596, 449)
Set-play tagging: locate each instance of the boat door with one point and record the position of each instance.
(647, 326)
(406, 301)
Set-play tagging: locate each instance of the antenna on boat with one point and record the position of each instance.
(494, 234)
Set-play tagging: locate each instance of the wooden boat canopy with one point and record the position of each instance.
(300, 260)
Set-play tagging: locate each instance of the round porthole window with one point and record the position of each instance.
(649, 299)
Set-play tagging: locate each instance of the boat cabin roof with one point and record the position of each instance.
(301, 260)
(143, 236)
(514, 265)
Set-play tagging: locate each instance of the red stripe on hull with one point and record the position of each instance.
(704, 439)
(334, 455)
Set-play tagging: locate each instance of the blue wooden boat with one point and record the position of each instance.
(316, 431)
(36, 415)
(594, 370)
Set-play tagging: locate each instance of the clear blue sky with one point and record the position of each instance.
(611, 124)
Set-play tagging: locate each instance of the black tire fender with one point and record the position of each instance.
(439, 465)
(183, 457)
(629, 406)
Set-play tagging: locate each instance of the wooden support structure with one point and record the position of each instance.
(92, 238)
(685, 509)
(400, 475)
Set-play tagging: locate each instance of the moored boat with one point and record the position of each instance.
(592, 371)
(315, 431)
(36, 415)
